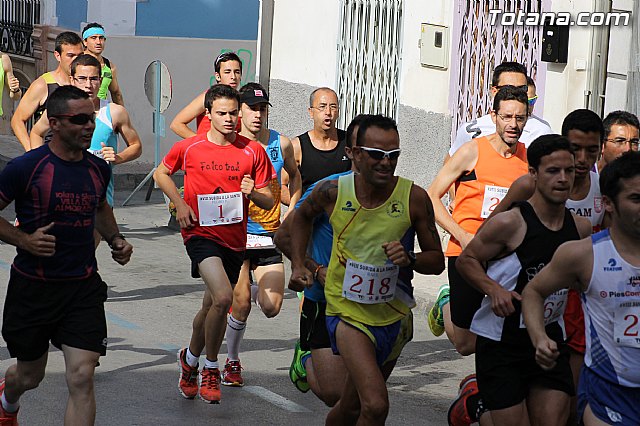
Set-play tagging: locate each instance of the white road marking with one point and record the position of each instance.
(275, 399)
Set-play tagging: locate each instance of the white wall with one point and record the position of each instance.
(422, 87)
(565, 86)
(305, 36)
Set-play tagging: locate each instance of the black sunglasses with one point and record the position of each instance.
(78, 119)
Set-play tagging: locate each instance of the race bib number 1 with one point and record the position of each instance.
(369, 284)
(626, 326)
(492, 197)
(220, 209)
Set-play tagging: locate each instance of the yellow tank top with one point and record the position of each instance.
(358, 235)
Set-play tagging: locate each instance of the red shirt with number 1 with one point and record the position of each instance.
(210, 168)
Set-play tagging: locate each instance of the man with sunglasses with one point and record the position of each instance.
(482, 171)
(369, 212)
(111, 120)
(68, 45)
(622, 134)
(55, 293)
(320, 151)
(505, 74)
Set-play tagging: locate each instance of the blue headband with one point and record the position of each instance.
(93, 31)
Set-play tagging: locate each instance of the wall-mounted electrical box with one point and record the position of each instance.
(434, 46)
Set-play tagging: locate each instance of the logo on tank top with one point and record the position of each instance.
(348, 207)
(395, 209)
(613, 266)
(273, 153)
(586, 212)
(634, 281)
(597, 204)
(345, 158)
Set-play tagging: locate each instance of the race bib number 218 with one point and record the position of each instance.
(369, 284)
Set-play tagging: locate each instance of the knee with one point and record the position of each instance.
(272, 309)
(222, 302)
(331, 399)
(28, 380)
(80, 377)
(241, 309)
(376, 408)
(465, 348)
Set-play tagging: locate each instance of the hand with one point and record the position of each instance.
(465, 240)
(40, 243)
(301, 278)
(321, 276)
(185, 216)
(547, 353)
(396, 253)
(502, 301)
(121, 250)
(246, 186)
(108, 153)
(14, 84)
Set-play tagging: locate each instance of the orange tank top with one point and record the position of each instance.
(479, 191)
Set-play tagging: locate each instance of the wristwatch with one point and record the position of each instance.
(412, 258)
(118, 235)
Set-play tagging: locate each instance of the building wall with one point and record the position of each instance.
(164, 18)
(304, 57)
(190, 65)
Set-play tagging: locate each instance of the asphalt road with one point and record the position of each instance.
(150, 307)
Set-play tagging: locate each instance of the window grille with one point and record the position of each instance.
(369, 58)
(482, 46)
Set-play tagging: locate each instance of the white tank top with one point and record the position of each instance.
(611, 307)
(590, 206)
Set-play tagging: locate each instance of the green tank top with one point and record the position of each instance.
(358, 235)
(107, 77)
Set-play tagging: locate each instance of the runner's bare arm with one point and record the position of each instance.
(262, 197)
(520, 190)
(39, 130)
(584, 226)
(114, 87)
(430, 260)
(464, 160)
(12, 83)
(180, 124)
(571, 265)
(122, 124)
(32, 99)
(497, 238)
(282, 240)
(106, 226)
(297, 154)
(322, 199)
(291, 168)
(185, 216)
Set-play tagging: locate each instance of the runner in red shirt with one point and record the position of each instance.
(223, 171)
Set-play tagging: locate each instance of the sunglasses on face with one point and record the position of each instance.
(532, 101)
(380, 154)
(78, 119)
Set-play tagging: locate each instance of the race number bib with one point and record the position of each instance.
(626, 326)
(259, 242)
(220, 209)
(554, 306)
(492, 197)
(369, 284)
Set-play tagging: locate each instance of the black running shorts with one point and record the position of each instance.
(64, 312)
(464, 300)
(199, 249)
(313, 326)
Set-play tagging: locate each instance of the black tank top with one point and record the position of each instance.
(318, 164)
(536, 250)
(41, 108)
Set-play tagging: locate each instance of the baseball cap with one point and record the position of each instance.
(254, 96)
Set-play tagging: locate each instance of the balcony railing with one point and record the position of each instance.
(16, 26)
